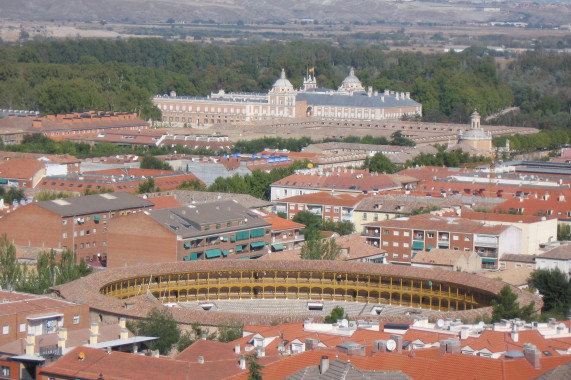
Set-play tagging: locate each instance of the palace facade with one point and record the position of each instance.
(351, 101)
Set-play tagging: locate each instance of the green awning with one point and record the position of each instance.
(417, 245)
(257, 233)
(232, 238)
(255, 257)
(278, 247)
(194, 256)
(186, 244)
(239, 248)
(212, 253)
(224, 253)
(212, 237)
(443, 245)
(224, 238)
(429, 248)
(96, 218)
(186, 258)
(257, 244)
(243, 258)
(488, 260)
(242, 235)
(3, 181)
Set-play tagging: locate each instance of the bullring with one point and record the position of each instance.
(132, 291)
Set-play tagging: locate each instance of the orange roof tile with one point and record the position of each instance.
(20, 168)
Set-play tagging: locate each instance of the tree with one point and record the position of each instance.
(150, 162)
(10, 271)
(381, 164)
(254, 368)
(228, 333)
(563, 231)
(147, 186)
(506, 307)
(555, 288)
(336, 314)
(159, 323)
(316, 248)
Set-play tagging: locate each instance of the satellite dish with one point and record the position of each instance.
(391, 345)
(440, 323)
(561, 326)
(481, 324)
(344, 323)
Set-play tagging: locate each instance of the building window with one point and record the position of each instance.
(94, 231)
(22, 327)
(430, 234)
(336, 209)
(467, 238)
(395, 243)
(467, 249)
(405, 256)
(327, 209)
(81, 233)
(456, 248)
(81, 246)
(76, 319)
(395, 255)
(385, 243)
(5, 371)
(405, 245)
(502, 265)
(64, 235)
(455, 237)
(396, 233)
(64, 222)
(104, 243)
(406, 233)
(364, 216)
(5, 329)
(386, 232)
(518, 265)
(376, 217)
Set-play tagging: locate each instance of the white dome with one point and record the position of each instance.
(283, 82)
(351, 78)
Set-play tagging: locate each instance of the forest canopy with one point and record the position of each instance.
(76, 75)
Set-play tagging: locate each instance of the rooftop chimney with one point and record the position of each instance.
(398, 340)
(93, 338)
(124, 334)
(156, 353)
(311, 344)
(95, 328)
(532, 354)
(464, 332)
(242, 362)
(324, 364)
(30, 344)
(515, 336)
(60, 343)
(122, 323)
(237, 348)
(62, 333)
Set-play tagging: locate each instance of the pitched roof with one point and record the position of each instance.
(20, 168)
(339, 180)
(438, 256)
(333, 199)
(439, 223)
(356, 247)
(563, 252)
(91, 204)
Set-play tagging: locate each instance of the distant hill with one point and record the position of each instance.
(278, 11)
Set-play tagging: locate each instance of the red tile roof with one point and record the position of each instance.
(20, 168)
(333, 199)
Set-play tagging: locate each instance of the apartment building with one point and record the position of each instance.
(403, 237)
(329, 206)
(78, 224)
(194, 232)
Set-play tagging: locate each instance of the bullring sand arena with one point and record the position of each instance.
(270, 292)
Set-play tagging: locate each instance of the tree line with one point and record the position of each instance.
(74, 75)
(49, 270)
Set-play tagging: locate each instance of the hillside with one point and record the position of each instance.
(275, 11)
